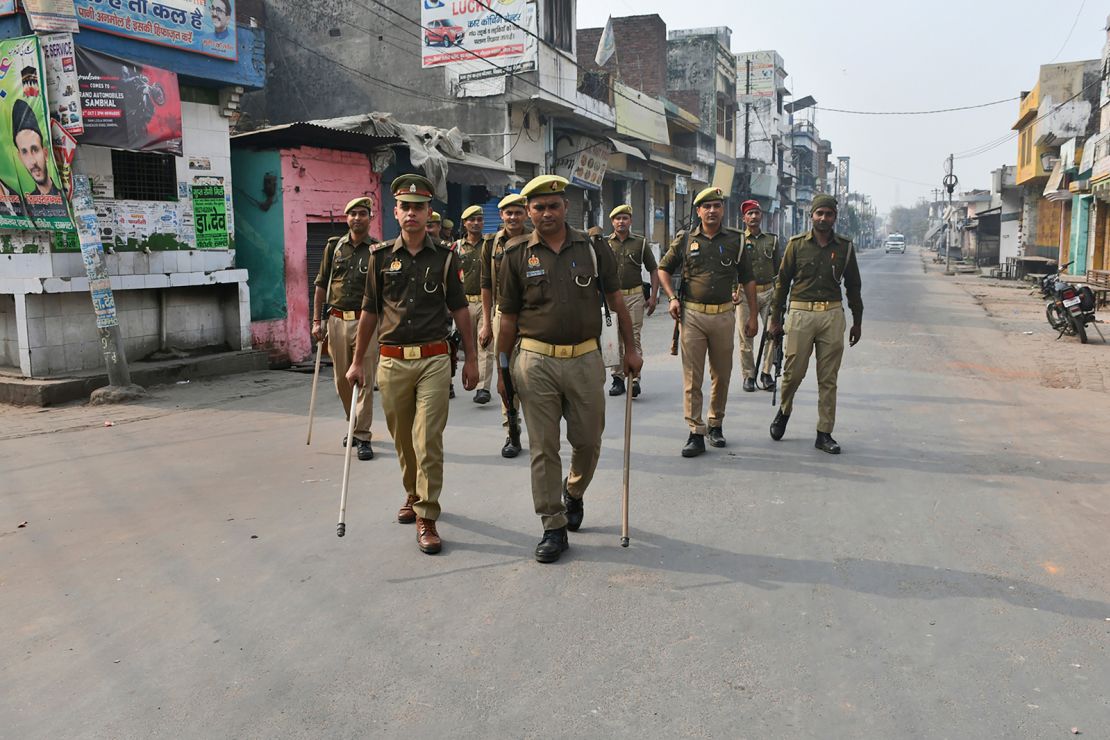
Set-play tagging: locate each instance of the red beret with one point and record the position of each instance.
(748, 205)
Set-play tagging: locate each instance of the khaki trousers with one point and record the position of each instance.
(820, 333)
(415, 395)
(712, 334)
(552, 389)
(497, 369)
(341, 348)
(485, 354)
(747, 357)
(635, 303)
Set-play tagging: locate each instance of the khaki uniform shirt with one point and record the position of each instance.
(765, 263)
(632, 254)
(810, 272)
(711, 266)
(411, 294)
(348, 278)
(555, 296)
(470, 259)
(493, 248)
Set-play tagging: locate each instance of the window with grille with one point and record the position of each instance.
(144, 175)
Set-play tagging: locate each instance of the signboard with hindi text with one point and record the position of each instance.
(205, 27)
(210, 213)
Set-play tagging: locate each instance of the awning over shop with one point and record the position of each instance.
(307, 133)
(1053, 189)
(933, 231)
(474, 169)
(627, 149)
(672, 164)
(722, 176)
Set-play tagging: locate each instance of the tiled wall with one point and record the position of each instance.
(63, 337)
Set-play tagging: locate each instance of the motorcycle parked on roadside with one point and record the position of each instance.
(1070, 308)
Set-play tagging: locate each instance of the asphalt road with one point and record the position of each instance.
(179, 575)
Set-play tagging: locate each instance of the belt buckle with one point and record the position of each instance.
(348, 315)
(564, 351)
(411, 353)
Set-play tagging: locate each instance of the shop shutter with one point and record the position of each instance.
(318, 235)
(576, 212)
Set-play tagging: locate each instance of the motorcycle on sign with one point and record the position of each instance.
(1069, 308)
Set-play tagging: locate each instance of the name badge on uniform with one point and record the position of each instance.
(395, 266)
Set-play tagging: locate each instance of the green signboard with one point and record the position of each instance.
(210, 216)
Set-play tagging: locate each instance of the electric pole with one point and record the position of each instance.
(950, 181)
(747, 127)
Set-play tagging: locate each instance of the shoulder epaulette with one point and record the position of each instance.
(380, 246)
(516, 241)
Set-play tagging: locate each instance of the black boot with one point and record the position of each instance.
(695, 445)
(749, 385)
(575, 509)
(451, 394)
(617, 389)
(778, 426)
(826, 443)
(511, 448)
(635, 388)
(766, 382)
(553, 544)
(716, 437)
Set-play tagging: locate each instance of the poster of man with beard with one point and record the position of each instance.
(31, 196)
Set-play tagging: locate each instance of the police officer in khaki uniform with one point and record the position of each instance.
(435, 228)
(550, 287)
(513, 218)
(763, 248)
(633, 255)
(411, 286)
(469, 250)
(338, 300)
(713, 260)
(814, 266)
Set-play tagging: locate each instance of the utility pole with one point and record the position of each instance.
(747, 127)
(950, 181)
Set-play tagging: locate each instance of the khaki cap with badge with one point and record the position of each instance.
(619, 210)
(412, 189)
(512, 199)
(545, 185)
(709, 194)
(471, 211)
(362, 202)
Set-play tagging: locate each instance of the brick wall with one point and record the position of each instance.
(641, 57)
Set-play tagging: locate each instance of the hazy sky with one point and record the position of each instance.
(896, 56)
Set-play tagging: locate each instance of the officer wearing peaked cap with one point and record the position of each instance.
(713, 260)
(337, 306)
(633, 255)
(469, 250)
(763, 248)
(815, 266)
(514, 219)
(412, 287)
(551, 286)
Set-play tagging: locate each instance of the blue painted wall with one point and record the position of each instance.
(195, 69)
(259, 235)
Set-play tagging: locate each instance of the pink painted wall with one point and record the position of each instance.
(315, 185)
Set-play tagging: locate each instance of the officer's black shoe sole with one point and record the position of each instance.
(826, 443)
(778, 426)
(635, 388)
(482, 396)
(716, 437)
(510, 450)
(695, 446)
(749, 385)
(553, 544)
(365, 451)
(576, 510)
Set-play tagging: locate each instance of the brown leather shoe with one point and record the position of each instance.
(407, 515)
(427, 539)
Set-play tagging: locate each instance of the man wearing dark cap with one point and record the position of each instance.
(552, 284)
(45, 200)
(763, 248)
(337, 306)
(513, 217)
(633, 255)
(713, 262)
(413, 287)
(469, 250)
(814, 267)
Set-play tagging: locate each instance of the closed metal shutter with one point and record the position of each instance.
(318, 235)
(491, 216)
(640, 217)
(576, 212)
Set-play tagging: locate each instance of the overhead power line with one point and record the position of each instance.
(916, 112)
